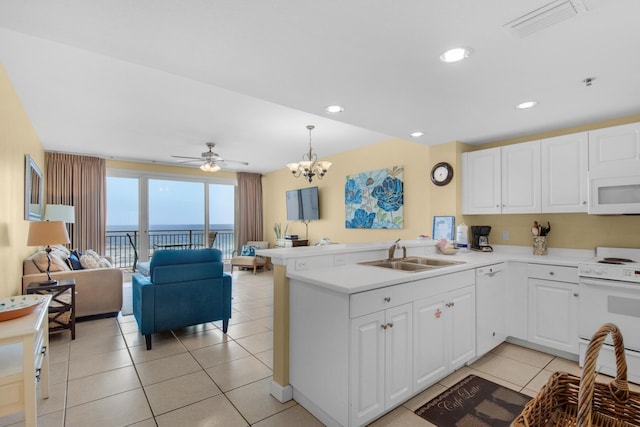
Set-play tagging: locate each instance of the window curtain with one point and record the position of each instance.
(249, 212)
(80, 181)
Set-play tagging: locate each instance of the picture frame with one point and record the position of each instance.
(33, 190)
(443, 227)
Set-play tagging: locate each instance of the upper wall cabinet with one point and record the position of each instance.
(521, 178)
(481, 181)
(615, 146)
(564, 173)
(502, 180)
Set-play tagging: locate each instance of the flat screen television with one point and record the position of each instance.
(302, 204)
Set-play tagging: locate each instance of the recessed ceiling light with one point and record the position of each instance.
(334, 109)
(416, 134)
(455, 55)
(526, 104)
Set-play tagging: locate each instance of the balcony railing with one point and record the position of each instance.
(121, 251)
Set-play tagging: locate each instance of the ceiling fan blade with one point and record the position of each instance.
(238, 162)
(190, 161)
(186, 157)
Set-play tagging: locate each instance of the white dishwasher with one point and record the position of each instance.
(490, 307)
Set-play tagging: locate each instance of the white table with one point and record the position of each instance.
(24, 360)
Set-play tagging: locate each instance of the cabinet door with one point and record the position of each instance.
(429, 342)
(615, 146)
(398, 354)
(462, 318)
(367, 368)
(564, 173)
(521, 178)
(553, 314)
(490, 307)
(481, 182)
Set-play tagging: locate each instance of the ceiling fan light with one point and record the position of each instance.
(210, 167)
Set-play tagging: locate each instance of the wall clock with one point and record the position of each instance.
(442, 173)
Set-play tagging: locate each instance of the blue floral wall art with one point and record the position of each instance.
(374, 199)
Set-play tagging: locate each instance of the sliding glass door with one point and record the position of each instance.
(150, 211)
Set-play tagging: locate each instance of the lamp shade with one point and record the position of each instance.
(60, 213)
(47, 233)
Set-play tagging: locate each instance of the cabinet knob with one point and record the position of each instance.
(497, 206)
(551, 273)
(575, 294)
(390, 324)
(383, 326)
(387, 299)
(584, 202)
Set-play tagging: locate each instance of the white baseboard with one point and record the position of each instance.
(283, 394)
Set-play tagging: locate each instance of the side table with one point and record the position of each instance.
(62, 309)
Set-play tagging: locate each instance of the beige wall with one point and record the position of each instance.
(17, 138)
(168, 169)
(423, 199)
(419, 192)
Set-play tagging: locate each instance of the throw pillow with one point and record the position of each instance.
(88, 261)
(248, 250)
(74, 259)
(57, 264)
(104, 263)
(61, 248)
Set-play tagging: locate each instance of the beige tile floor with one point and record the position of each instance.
(197, 376)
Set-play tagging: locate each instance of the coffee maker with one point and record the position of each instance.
(480, 238)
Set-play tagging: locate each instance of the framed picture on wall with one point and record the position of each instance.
(443, 227)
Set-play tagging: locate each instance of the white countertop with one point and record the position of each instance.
(354, 278)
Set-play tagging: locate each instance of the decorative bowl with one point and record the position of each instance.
(447, 251)
(18, 306)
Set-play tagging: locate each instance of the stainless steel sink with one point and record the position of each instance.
(398, 265)
(412, 264)
(431, 261)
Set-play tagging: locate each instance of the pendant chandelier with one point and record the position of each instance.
(309, 166)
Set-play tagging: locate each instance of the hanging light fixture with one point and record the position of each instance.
(309, 166)
(210, 166)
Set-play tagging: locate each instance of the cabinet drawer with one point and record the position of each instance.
(553, 272)
(379, 299)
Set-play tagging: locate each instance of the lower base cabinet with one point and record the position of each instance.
(443, 335)
(381, 348)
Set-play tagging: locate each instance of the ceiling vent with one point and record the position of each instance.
(546, 16)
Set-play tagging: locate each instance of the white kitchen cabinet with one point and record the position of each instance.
(481, 182)
(564, 167)
(614, 147)
(502, 180)
(444, 335)
(553, 306)
(490, 307)
(521, 178)
(381, 348)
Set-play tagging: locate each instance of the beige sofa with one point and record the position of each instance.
(98, 291)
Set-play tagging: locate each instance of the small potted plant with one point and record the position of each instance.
(277, 228)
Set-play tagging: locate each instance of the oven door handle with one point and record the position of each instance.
(607, 283)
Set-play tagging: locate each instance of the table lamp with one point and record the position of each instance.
(64, 213)
(47, 233)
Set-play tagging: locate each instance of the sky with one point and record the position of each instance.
(170, 202)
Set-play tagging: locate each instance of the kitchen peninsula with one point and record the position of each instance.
(320, 292)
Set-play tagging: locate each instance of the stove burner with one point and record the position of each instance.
(618, 261)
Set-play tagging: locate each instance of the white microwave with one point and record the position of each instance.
(614, 191)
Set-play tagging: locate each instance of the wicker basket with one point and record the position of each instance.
(568, 400)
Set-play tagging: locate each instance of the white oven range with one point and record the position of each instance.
(610, 293)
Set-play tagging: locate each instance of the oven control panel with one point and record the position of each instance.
(610, 272)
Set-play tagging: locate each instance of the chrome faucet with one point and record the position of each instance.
(392, 249)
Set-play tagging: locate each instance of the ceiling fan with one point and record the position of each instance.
(211, 162)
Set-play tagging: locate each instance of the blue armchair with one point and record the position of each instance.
(185, 287)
